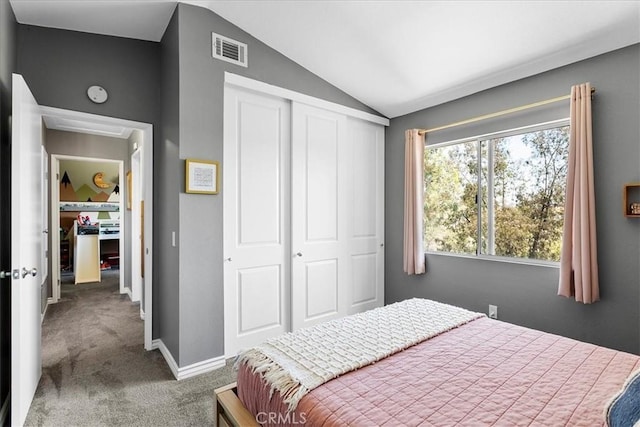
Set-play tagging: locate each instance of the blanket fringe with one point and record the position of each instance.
(279, 379)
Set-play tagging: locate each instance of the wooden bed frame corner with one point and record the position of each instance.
(229, 409)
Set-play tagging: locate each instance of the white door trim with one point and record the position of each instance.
(268, 89)
(146, 130)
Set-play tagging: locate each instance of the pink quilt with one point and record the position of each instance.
(483, 373)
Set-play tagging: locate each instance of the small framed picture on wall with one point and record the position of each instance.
(202, 176)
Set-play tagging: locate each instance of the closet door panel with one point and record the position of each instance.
(365, 186)
(259, 297)
(364, 172)
(256, 165)
(363, 283)
(258, 170)
(321, 139)
(318, 230)
(321, 288)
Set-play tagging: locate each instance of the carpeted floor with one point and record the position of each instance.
(95, 371)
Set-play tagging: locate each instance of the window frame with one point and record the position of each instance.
(478, 139)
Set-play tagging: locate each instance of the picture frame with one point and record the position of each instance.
(129, 187)
(202, 176)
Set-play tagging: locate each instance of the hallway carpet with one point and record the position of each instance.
(95, 371)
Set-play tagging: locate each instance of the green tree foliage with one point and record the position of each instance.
(450, 177)
(528, 197)
(544, 204)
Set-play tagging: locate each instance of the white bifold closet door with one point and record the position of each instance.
(319, 194)
(337, 215)
(303, 192)
(365, 215)
(256, 164)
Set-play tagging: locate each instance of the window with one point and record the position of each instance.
(519, 178)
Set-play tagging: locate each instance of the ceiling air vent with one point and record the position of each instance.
(229, 50)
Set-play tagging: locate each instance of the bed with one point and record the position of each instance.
(477, 372)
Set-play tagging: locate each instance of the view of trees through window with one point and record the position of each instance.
(523, 176)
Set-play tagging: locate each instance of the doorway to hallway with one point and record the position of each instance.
(140, 136)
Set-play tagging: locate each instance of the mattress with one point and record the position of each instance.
(485, 372)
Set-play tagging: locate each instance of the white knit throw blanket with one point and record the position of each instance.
(298, 362)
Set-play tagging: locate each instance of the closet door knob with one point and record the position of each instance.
(299, 254)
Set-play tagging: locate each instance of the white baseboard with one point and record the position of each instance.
(128, 292)
(168, 357)
(201, 367)
(190, 370)
(141, 312)
(4, 411)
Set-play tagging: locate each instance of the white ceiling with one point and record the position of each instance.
(395, 56)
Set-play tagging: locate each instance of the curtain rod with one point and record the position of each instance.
(499, 113)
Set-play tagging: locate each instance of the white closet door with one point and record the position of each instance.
(318, 230)
(365, 215)
(256, 165)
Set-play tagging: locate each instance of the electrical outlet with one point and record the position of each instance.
(493, 311)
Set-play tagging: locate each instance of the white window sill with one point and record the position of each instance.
(501, 259)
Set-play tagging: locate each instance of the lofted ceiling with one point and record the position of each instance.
(396, 56)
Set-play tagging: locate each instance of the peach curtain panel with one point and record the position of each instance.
(578, 259)
(414, 262)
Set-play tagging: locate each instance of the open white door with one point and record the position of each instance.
(26, 253)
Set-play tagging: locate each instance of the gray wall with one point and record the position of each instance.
(8, 29)
(166, 186)
(99, 147)
(60, 65)
(526, 294)
(201, 89)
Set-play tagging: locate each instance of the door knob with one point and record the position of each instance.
(26, 272)
(299, 254)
